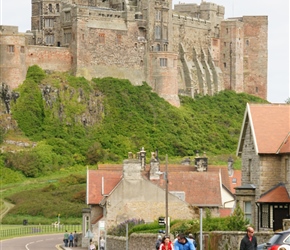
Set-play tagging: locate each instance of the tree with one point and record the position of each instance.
(237, 220)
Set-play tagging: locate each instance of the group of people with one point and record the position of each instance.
(180, 243)
(70, 240)
(249, 242)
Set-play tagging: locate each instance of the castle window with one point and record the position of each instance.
(50, 7)
(225, 65)
(118, 39)
(227, 30)
(165, 47)
(102, 38)
(157, 32)
(67, 37)
(57, 7)
(48, 23)
(247, 42)
(163, 62)
(225, 44)
(224, 55)
(158, 15)
(49, 39)
(22, 49)
(158, 48)
(257, 89)
(165, 32)
(11, 48)
(67, 16)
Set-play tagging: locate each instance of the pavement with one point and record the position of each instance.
(61, 246)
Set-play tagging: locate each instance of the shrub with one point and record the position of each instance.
(120, 230)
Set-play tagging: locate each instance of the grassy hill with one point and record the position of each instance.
(69, 123)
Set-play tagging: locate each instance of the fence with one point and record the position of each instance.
(37, 229)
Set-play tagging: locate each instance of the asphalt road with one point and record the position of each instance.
(40, 242)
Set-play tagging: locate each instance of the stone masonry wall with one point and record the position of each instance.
(49, 58)
(216, 240)
(255, 55)
(13, 52)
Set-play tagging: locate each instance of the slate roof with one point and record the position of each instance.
(270, 125)
(278, 194)
(201, 188)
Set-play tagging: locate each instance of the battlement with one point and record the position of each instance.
(8, 30)
(190, 21)
(206, 6)
(199, 11)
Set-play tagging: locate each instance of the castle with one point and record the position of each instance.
(188, 50)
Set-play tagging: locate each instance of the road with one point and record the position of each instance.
(40, 242)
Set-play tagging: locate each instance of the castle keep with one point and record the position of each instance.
(188, 50)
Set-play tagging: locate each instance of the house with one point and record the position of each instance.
(264, 147)
(136, 190)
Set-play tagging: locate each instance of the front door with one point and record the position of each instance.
(280, 212)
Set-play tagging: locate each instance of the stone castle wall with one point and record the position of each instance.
(189, 50)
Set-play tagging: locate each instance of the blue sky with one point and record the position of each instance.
(18, 12)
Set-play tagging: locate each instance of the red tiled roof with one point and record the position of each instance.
(285, 146)
(270, 125)
(279, 194)
(235, 180)
(200, 188)
(224, 212)
(94, 184)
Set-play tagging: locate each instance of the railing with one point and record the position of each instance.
(37, 229)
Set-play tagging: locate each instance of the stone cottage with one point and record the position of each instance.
(134, 190)
(264, 147)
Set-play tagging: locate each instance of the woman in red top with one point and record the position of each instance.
(166, 244)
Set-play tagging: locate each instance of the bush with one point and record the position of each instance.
(120, 230)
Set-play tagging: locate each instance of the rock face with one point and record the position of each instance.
(88, 108)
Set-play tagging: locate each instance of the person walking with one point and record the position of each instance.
(102, 243)
(249, 242)
(158, 242)
(75, 239)
(71, 240)
(92, 245)
(65, 238)
(191, 238)
(166, 243)
(183, 243)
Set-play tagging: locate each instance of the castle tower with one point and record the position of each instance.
(161, 61)
(45, 22)
(231, 54)
(244, 54)
(13, 50)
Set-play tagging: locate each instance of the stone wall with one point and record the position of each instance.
(216, 240)
(49, 58)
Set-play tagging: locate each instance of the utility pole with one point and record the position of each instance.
(166, 197)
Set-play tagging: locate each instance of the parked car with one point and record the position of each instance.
(278, 239)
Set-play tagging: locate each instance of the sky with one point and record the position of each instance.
(18, 13)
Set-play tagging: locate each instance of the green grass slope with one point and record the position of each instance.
(76, 123)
